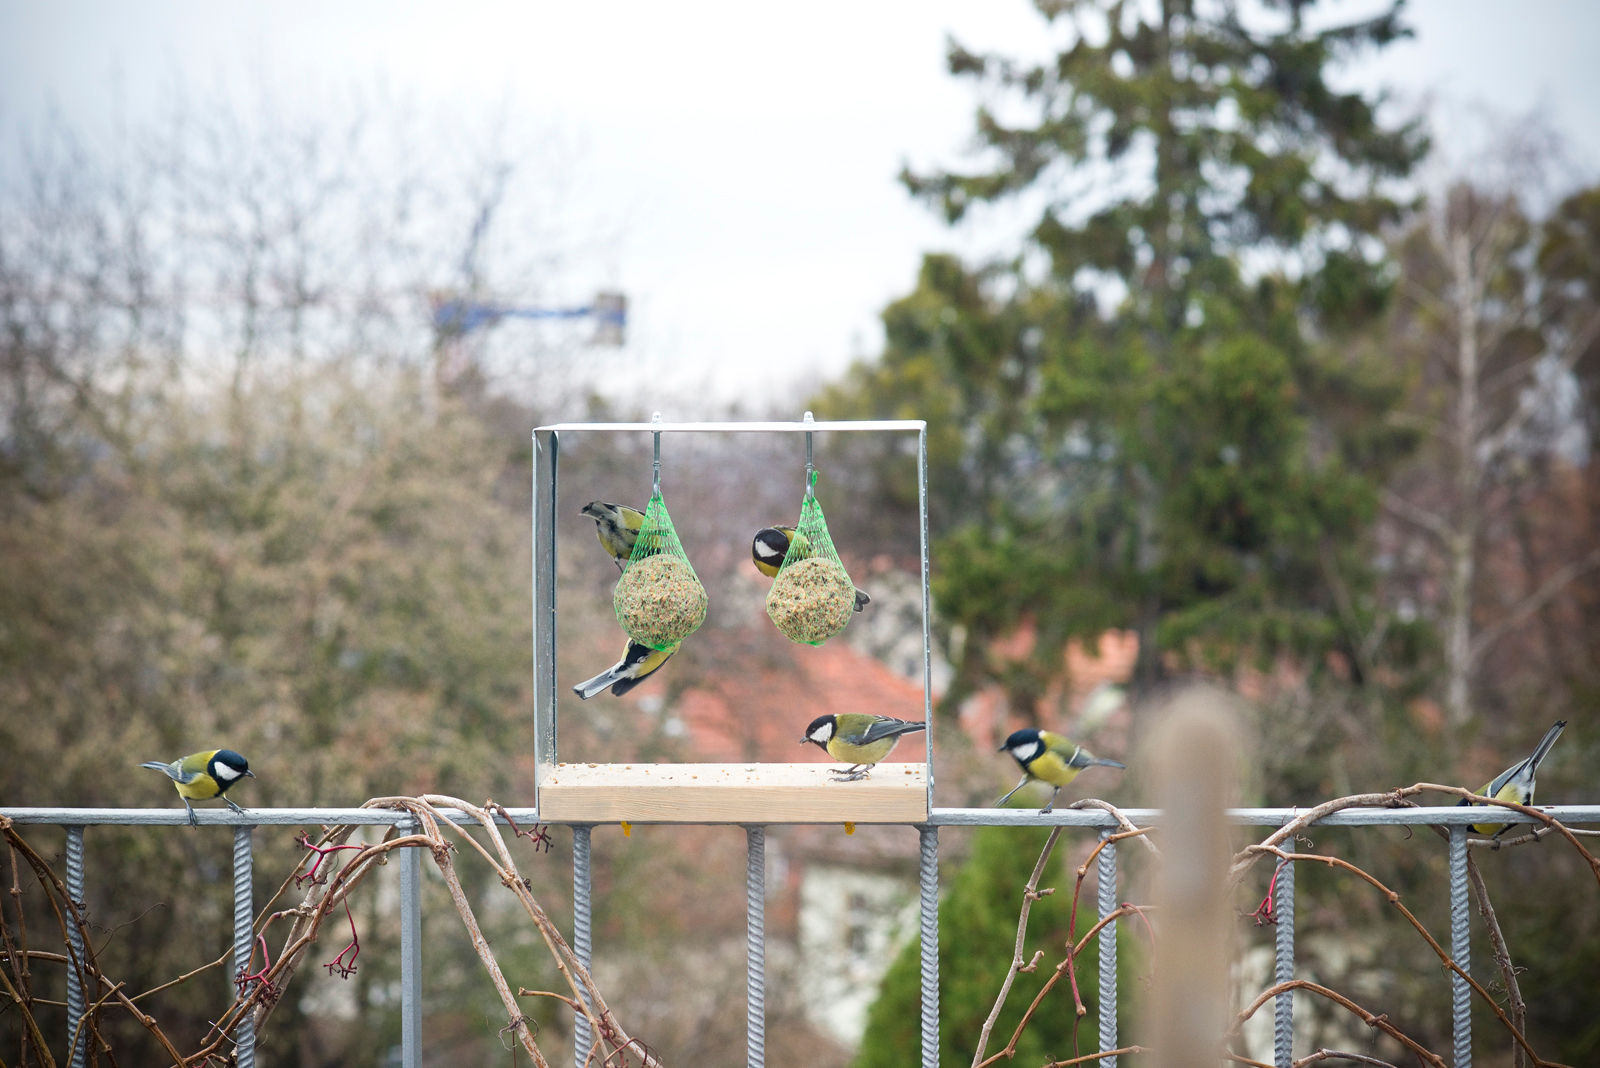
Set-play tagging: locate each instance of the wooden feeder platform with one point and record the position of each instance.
(732, 793)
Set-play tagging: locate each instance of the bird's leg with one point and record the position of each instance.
(1013, 790)
(1052, 802)
(193, 822)
(852, 773)
(233, 806)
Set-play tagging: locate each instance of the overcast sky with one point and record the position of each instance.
(738, 158)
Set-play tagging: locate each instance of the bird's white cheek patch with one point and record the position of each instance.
(1028, 750)
(821, 734)
(225, 773)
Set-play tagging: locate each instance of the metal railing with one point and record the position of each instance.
(1454, 819)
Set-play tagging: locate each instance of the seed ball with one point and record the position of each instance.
(811, 600)
(659, 601)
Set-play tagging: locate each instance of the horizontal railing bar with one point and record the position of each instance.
(254, 817)
(1453, 815)
(1262, 817)
(743, 428)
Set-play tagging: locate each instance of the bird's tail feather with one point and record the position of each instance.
(165, 769)
(1545, 743)
(590, 687)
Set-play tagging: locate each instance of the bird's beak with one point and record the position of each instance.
(250, 773)
(1002, 749)
(803, 741)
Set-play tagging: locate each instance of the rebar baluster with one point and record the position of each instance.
(244, 916)
(410, 950)
(76, 1025)
(582, 935)
(929, 878)
(755, 885)
(1106, 904)
(1460, 951)
(1283, 967)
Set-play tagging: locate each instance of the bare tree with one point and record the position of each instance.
(1492, 343)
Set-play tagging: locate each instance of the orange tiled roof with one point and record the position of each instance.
(757, 708)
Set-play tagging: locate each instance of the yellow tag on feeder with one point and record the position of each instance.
(849, 828)
(627, 829)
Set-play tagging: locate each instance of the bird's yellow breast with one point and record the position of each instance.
(1512, 792)
(200, 788)
(849, 752)
(1053, 768)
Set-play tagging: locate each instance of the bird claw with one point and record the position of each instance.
(850, 774)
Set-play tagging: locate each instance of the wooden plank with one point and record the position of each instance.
(732, 793)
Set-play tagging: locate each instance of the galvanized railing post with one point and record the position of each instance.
(1283, 967)
(77, 1033)
(582, 935)
(244, 918)
(1106, 904)
(928, 874)
(1460, 951)
(755, 885)
(410, 950)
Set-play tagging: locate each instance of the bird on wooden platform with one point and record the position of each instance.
(857, 739)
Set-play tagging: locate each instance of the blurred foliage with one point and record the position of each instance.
(1143, 419)
(977, 935)
(1179, 403)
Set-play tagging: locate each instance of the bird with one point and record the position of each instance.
(771, 544)
(858, 739)
(617, 527)
(1049, 758)
(1516, 782)
(638, 663)
(201, 776)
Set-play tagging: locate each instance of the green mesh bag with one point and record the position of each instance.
(659, 599)
(812, 597)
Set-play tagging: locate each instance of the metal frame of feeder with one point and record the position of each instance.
(546, 485)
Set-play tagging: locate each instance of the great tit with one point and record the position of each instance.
(1049, 758)
(202, 776)
(638, 663)
(617, 527)
(857, 739)
(771, 545)
(1516, 782)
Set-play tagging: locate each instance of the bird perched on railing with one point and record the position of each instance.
(1049, 758)
(638, 663)
(857, 739)
(202, 776)
(617, 526)
(1515, 784)
(771, 545)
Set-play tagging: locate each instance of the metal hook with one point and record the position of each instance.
(655, 474)
(811, 470)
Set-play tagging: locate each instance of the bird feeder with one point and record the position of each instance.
(570, 789)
